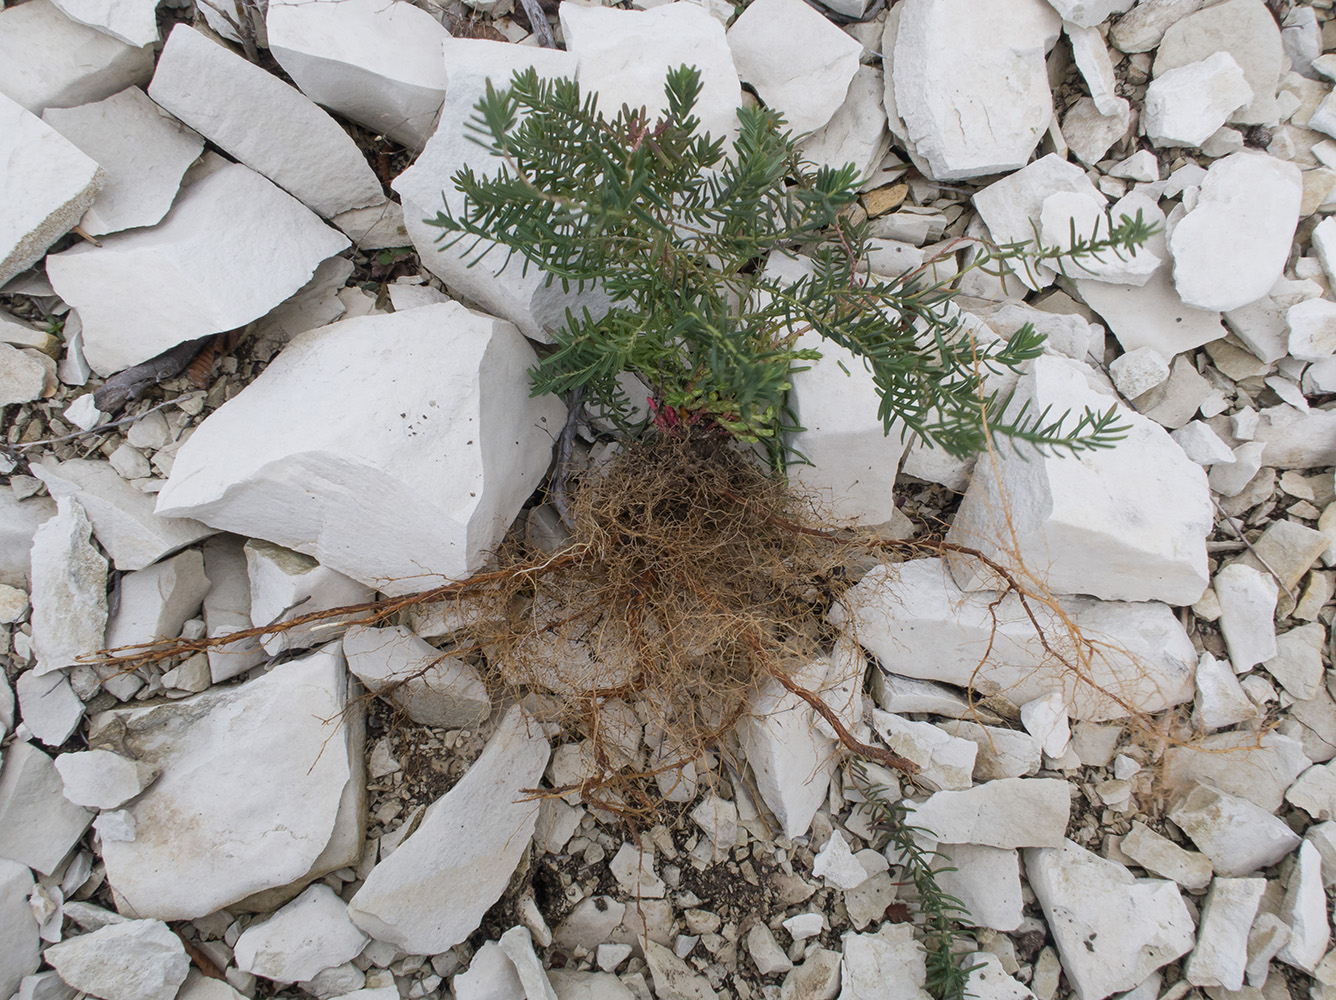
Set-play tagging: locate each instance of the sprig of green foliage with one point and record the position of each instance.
(947, 973)
(677, 227)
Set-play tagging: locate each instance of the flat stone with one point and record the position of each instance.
(69, 581)
(837, 865)
(634, 871)
(1315, 792)
(380, 65)
(885, 965)
(23, 375)
(143, 151)
(395, 518)
(1305, 911)
(432, 892)
(376, 227)
(1203, 445)
(1222, 937)
(951, 66)
(286, 584)
(128, 960)
(1258, 768)
(50, 61)
(266, 124)
(1117, 524)
(1089, 13)
(157, 601)
(673, 978)
(800, 64)
(301, 940)
(1045, 719)
(20, 943)
(1008, 813)
(816, 977)
(1297, 665)
(1090, 134)
(945, 761)
(45, 187)
(1161, 856)
(1221, 701)
(133, 22)
(1187, 105)
(19, 521)
(429, 687)
(1312, 329)
(1238, 836)
(1142, 28)
(856, 133)
(987, 880)
(1112, 930)
(517, 943)
(1138, 371)
(1296, 439)
(1003, 753)
(1096, 67)
(38, 827)
(765, 951)
(276, 746)
(1247, 31)
(100, 779)
(49, 707)
(1247, 598)
(1232, 246)
(130, 313)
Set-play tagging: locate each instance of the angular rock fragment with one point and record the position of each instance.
(423, 490)
(133, 22)
(1258, 767)
(301, 940)
(232, 247)
(144, 152)
(946, 761)
(20, 943)
(286, 584)
(1117, 524)
(100, 779)
(227, 608)
(1112, 930)
(48, 705)
(1161, 856)
(1247, 599)
(1305, 911)
(46, 185)
(50, 61)
(1089, 13)
(1009, 813)
(379, 64)
(1185, 106)
(987, 880)
(264, 747)
(69, 590)
(429, 687)
(885, 965)
(1243, 28)
(432, 892)
(1238, 836)
(856, 133)
(1221, 953)
(38, 827)
(19, 521)
(156, 602)
(128, 960)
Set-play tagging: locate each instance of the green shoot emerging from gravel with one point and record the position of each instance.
(677, 228)
(947, 973)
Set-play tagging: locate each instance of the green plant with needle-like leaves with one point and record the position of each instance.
(677, 228)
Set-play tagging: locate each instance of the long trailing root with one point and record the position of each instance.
(693, 579)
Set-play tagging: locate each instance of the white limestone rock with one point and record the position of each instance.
(1142, 28)
(46, 185)
(856, 133)
(766, 954)
(381, 65)
(1126, 523)
(837, 865)
(626, 54)
(1238, 836)
(429, 687)
(1112, 930)
(286, 584)
(128, 960)
(673, 978)
(1067, 216)
(917, 622)
(1247, 599)
(122, 516)
(1312, 329)
(276, 746)
(48, 705)
(1138, 371)
(19, 521)
(1003, 753)
(885, 965)
(970, 83)
(1090, 135)
(301, 940)
(133, 22)
(100, 779)
(946, 761)
(524, 299)
(1296, 439)
(38, 827)
(69, 590)
(156, 602)
(517, 943)
(1046, 720)
(227, 608)
(1221, 953)
(1089, 13)
(790, 758)
(1305, 911)
(1152, 315)
(800, 63)
(987, 880)
(1008, 813)
(20, 942)
(50, 61)
(989, 979)
(1232, 246)
(376, 227)
(264, 123)
(1161, 856)
(1201, 444)
(1096, 67)
(232, 247)
(433, 890)
(1297, 665)
(633, 868)
(1247, 31)
(1257, 768)
(143, 150)
(436, 502)
(1187, 105)
(1221, 701)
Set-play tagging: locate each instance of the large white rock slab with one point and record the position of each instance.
(380, 64)
(232, 247)
(970, 84)
(917, 622)
(263, 122)
(142, 149)
(46, 185)
(69, 590)
(432, 892)
(50, 61)
(127, 960)
(800, 64)
(133, 22)
(1221, 953)
(1007, 813)
(1126, 523)
(20, 943)
(1247, 31)
(1257, 768)
(625, 55)
(301, 940)
(1112, 930)
(122, 516)
(523, 298)
(277, 747)
(1231, 248)
(421, 468)
(38, 826)
(429, 687)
